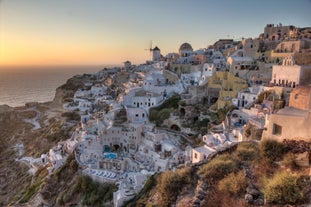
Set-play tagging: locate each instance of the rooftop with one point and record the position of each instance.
(204, 150)
(290, 111)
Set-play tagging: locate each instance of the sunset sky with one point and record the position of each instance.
(56, 32)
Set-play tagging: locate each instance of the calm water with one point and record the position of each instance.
(19, 85)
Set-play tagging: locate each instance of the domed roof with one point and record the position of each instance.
(185, 46)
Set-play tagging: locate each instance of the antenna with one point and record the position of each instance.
(150, 48)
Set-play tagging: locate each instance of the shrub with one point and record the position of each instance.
(170, 184)
(234, 183)
(289, 161)
(160, 113)
(71, 115)
(283, 188)
(271, 149)
(218, 168)
(247, 151)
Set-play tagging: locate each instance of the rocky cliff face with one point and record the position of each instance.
(26, 131)
(67, 90)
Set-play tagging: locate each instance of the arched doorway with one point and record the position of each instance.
(182, 112)
(175, 127)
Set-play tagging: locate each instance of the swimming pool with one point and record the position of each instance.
(110, 155)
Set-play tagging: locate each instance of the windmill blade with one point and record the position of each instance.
(150, 45)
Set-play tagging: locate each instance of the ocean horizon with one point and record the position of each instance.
(22, 84)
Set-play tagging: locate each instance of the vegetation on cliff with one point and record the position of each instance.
(160, 113)
(244, 176)
(69, 186)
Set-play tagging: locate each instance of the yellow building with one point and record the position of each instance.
(229, 86)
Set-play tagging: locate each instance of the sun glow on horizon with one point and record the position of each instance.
(110, 32)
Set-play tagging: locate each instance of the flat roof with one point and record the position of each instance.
(290, 111)
(204, 150)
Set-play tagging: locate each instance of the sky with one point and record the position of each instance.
(97, 32)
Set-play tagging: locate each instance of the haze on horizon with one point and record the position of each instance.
(74, 32)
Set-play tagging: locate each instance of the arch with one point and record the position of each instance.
(116, 147)
(214, 100)
(182, 112)
(175, 127)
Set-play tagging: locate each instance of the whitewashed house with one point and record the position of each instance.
(208, 70)
(157, 83)
(201, 153)
(290, 74)
(137, 115)
(186, 55)
(247, 96)
(218, 59)
(146, 99)
(56, 157)
(190, 79)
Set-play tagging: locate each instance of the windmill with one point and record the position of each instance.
(150, 49)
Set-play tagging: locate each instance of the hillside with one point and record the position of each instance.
(245, 174)
(28, 131)
(249, 174)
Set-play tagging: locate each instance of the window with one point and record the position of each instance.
(296, 96)
(195, 155)
(277, 129)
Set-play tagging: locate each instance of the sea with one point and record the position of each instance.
(23, 84)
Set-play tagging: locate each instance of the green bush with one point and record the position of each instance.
(218, 168)
(289, 161)
(93, 193)
(71, 115)
(170, 184)
(247, 151)
(283, 188)
(160, 113)
(234, 183)
(271, 149)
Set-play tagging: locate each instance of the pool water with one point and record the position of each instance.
(110, 155)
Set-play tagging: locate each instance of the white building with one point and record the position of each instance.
(127, 65)
(85, 105)
(146, 99)
(289, 74)
(213, 140)
(237, 63)
(56, 158)
(156, 82)
(136, 115)
(208, 70)
(98, 90)
(186, 55)
(172, 57)
(247, 96)
(156, 54)
(190, 79)
(218, 59)
(201, 153)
